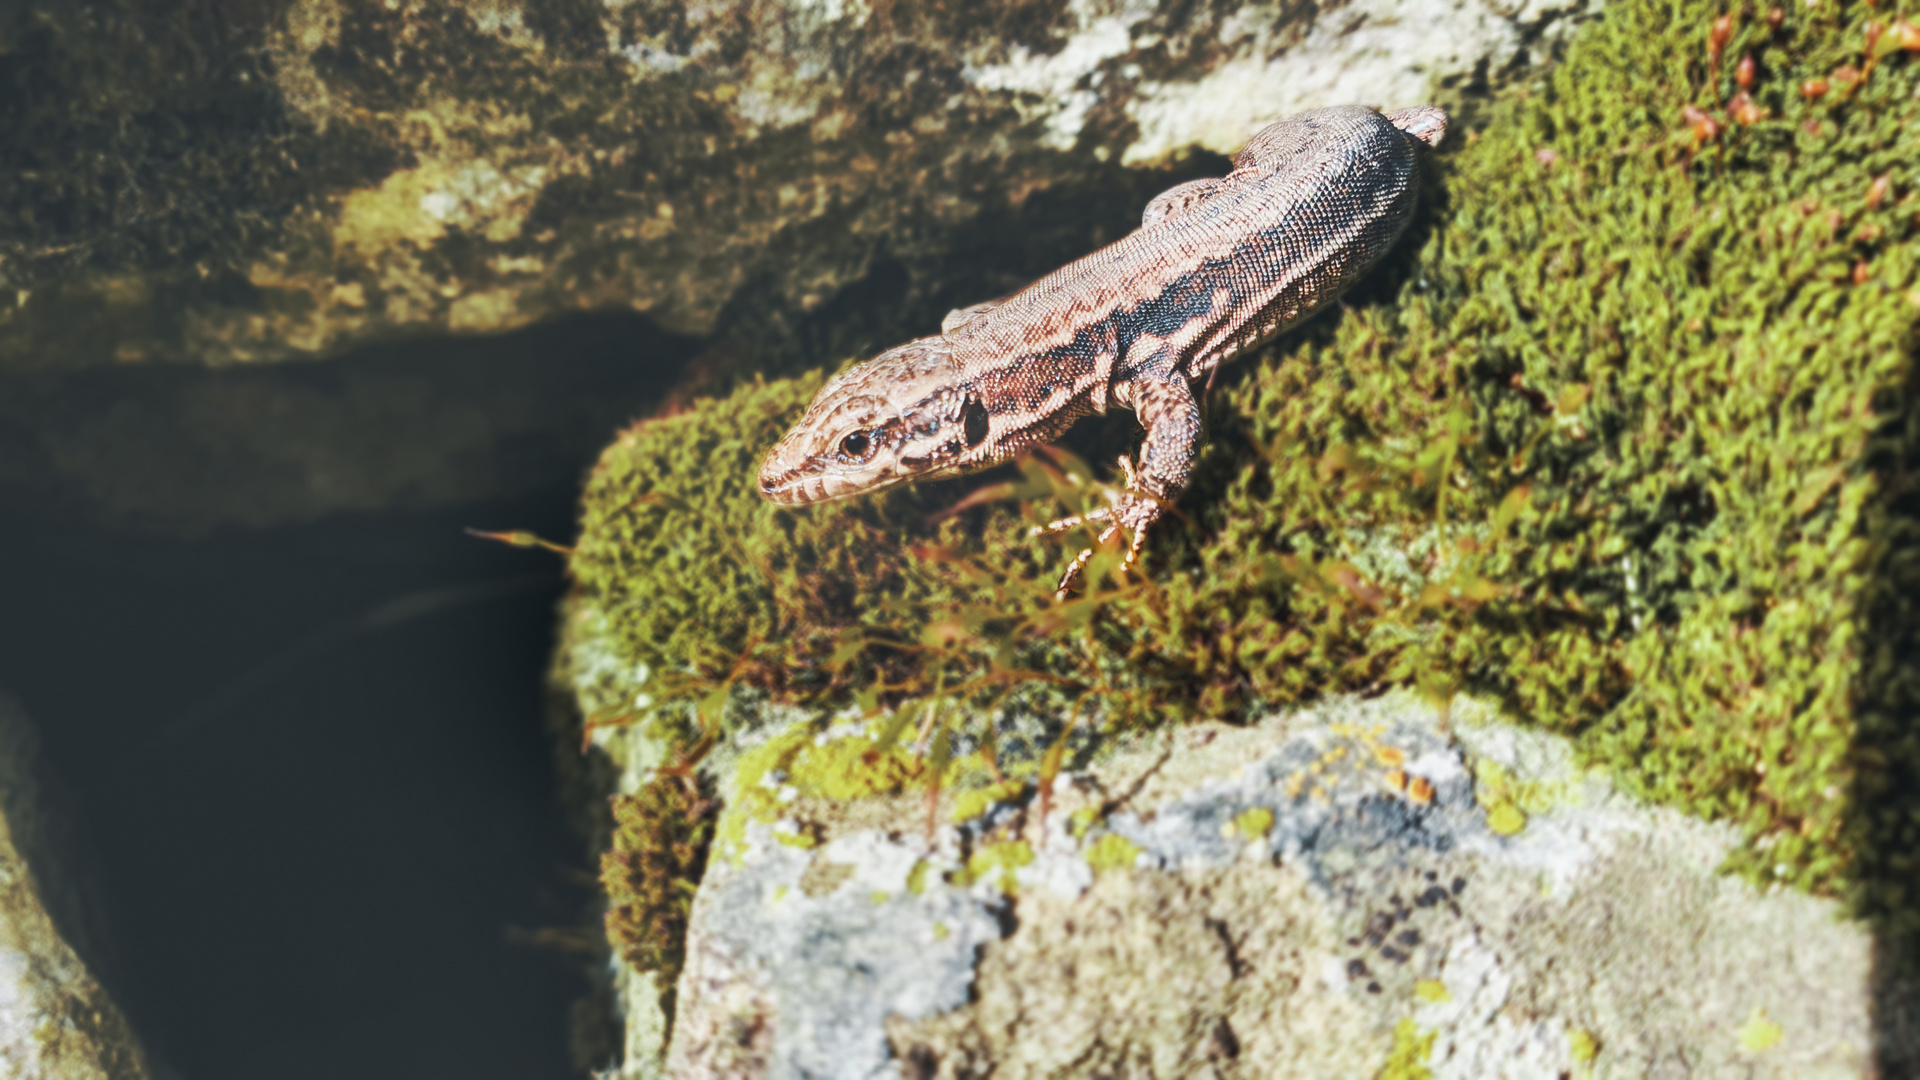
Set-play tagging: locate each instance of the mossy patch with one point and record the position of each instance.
(1621, 439)
(661, 837)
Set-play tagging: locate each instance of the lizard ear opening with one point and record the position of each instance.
(974, 417)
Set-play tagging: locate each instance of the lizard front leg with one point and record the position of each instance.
(1168, 410)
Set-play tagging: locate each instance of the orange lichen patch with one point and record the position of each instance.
(1420, 791)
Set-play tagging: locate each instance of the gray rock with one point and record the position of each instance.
(284, 178)
(816, 951)
(1339, 888)
(56, 1022)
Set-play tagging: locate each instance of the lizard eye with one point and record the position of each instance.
(975, 419)
(856, 445)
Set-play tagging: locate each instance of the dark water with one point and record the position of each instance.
(305, 764)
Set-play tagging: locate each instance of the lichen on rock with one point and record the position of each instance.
(1362, 928)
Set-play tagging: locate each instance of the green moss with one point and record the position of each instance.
(1007, 857)
(1112, 852)
(1408, 1058)
(972, 803)
(660, 841)
(1620, 439)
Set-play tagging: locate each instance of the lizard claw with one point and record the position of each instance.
(1062, 590)
(1073, 521)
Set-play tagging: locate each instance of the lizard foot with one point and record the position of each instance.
(1126, 510)
(1104, 513)
(1065, 588)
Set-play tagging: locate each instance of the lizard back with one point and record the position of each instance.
(1313, 202)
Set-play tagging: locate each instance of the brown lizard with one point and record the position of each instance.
(1216, 267)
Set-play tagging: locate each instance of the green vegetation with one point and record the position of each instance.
(1622, 440)
(660, 841)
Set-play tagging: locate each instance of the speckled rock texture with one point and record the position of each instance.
(273, 179)
(1357, 889)
(56, 1021)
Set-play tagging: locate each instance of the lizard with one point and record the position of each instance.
(1216, 268)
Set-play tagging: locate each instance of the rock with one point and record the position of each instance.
(286, 178)
(56, 1021)
(1335, 888)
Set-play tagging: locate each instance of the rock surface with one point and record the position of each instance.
(56, 1021)
(275, 179)
(1345, 889)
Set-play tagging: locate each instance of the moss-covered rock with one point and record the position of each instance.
(267, 179)
(1623, 439)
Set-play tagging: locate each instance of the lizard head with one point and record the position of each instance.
(903, 415)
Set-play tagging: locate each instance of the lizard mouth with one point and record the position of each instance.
(799, 488)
